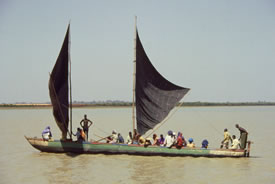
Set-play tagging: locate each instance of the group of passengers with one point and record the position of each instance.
(178, 141)
(235, 143)
(171, 140)
(81, 133)
(115, 138)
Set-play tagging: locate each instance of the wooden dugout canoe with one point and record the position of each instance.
(58, 146)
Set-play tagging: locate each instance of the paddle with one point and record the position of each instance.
(102, 138)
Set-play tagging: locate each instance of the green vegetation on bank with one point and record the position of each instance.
(129, 104)
(228, 104)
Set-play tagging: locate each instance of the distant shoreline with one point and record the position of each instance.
(128, 104)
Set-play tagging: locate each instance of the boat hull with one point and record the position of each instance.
(105, 148)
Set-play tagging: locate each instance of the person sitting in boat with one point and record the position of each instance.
(120, 138)
(129, 139)
(227, 138)
(141, 140)
(114, 137)
(243, 136)
(184, 143)
(47, 134)
(169, 139)
(204, 144)
(174, 138)
(80, 135)
(135, 137)
(161, 140)
(156, 140)
(180, 141)
(84, 123)
(108, 139)
(235, 143)
(191, 143)
(147, 142)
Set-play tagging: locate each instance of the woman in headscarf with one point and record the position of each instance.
(161, 140)
(204, 144)
(179, 143)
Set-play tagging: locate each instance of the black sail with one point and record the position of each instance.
(59, 87)
(155, 96)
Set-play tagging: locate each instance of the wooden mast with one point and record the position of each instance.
(134, 74)
(70, 83)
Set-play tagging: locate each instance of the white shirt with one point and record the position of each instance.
(114, 138)
(235, 144)
(46, 136)
(169, 141)
(129, 140)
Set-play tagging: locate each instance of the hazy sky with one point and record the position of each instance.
(223, 50)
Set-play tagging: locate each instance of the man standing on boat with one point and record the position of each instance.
(243, 136)
(84, 123)
(227, 138)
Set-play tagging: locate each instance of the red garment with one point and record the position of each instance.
(179, 141)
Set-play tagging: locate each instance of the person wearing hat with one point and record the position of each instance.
(114, 137)
(227, 138)
(191, 143)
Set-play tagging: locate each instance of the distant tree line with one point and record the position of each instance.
(120, 103)
(228, 103)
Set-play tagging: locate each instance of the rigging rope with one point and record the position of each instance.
(219, 132)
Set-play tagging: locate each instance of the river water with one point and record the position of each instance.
(21, 163)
